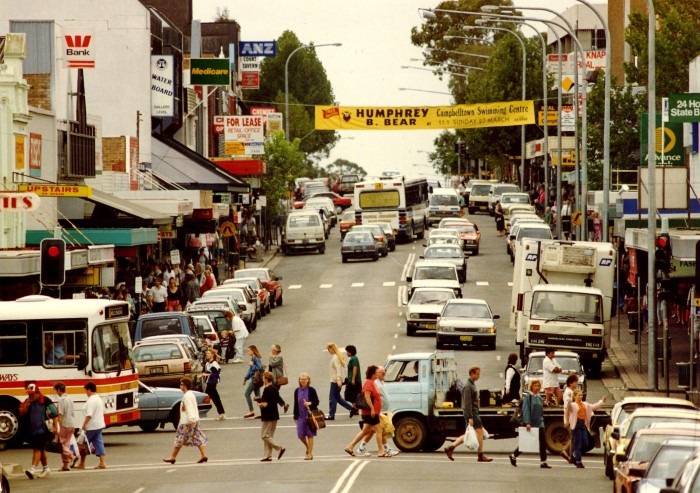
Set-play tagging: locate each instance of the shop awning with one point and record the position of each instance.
(128, 207)
(175, 164)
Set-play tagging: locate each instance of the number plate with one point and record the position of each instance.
(159, 370)
(465, 338)
(358, 249)
(305, 241)
(429, 326)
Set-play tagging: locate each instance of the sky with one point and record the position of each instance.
(366, 69)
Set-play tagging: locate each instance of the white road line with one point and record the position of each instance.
(326, 286)
(345, 474)
(295, 286)
(389, 283)
(482, 283)
(396, 336)
(354, 476)
(510, 284)
(357, 284)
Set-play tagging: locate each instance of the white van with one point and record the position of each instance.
(443, 202)
(304, 231)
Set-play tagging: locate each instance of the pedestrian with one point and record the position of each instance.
(470, 408)
(579, 418)
(212, 374)
(337, 376)
(251, 381)
(500, 219)
(93, 424)
(240, 332)
(158, 296)
(305, 401)
(190, 289)
(566, 211)
(188, 432)
(66, 426)
(533, 416)
(225, 345)
(269, 415)
(353, 384)
(37, 409)
(571, 385)
(275, 364)
(208, 281)
(550, 369)
(174, 302)
(384, 419)
(511, 389)
(597, 227)
(370, 416)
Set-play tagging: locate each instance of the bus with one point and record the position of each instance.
(47, 340)
(397, 200)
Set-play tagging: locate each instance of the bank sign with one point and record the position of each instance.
(210, 72)
(669, 142)
(684, 107)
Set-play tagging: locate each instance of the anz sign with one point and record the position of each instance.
(606, 262)
(257, 48)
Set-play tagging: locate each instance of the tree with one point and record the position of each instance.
(284, 163)
(343, 166)
(308, 86)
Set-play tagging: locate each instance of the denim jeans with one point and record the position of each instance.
(580, 438)
(249, 390)
(334, 399)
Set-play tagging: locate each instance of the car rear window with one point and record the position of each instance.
(157, 352)
(160, 326)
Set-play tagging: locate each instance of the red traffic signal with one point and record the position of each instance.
(663, 241)
(53, 262)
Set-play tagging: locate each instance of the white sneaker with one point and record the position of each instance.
(393, 452)
(362, 452)
(44, 473)
(221, 417)
(237, 360)
(31, 473)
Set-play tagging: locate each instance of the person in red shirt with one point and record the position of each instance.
(370, 416)
(208, 281)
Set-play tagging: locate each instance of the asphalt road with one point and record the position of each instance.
(326, 301)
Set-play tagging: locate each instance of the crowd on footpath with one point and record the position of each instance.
(54, 426)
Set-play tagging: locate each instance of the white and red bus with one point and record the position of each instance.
(397, 200)
(47, 340)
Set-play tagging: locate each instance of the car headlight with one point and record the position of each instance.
(446, 329)
(413, 315)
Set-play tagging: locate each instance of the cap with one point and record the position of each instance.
(31, 388)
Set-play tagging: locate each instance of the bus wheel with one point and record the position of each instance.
(9, 423)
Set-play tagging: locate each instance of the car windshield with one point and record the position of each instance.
(443, 252)
(304, 221)
(259, 273)
(668, 461)
(639, 422)
(568, 364)
(541, 233)
(645, 447)
(111, 348)
(443, 240)
(464, 310)
(436, 272)
(431, 297)
(480, 189)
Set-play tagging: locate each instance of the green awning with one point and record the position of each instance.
(116, 237)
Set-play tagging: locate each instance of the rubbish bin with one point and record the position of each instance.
(660, 349)
(685, 369)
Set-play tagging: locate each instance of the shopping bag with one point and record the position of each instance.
(485, 434)
(470, 439)
(528, 441)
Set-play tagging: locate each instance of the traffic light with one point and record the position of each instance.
(53, 262)
(461, 148)
(663, 253)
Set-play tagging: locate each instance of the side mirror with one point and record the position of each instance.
(242, 308)
(82, 361)
(496, 317)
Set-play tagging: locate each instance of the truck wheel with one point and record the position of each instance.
(148, 426)
(607, 460)
(9, 423)
(439, 345)
(557, 436)
(280, 301)
(433, 442)
(410, 434)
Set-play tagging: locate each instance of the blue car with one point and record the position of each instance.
(161, 405)
(359, 244)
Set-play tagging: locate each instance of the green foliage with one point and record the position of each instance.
(343, 166)
(284, 163)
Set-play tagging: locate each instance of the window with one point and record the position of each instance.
(110, 348)
(63, 342)
(13, 344)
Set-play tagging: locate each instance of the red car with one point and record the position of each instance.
(468, 232)
(340, 203)
(268, 278)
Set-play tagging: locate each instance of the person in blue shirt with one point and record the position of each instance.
(55, 351)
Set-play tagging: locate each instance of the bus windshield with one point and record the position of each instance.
(111, 348)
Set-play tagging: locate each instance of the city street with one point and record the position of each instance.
(327, 301)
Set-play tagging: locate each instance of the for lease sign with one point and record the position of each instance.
(244, 128)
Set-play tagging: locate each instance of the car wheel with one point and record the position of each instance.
(267, 307)
(512, 258)
(148, 426)
(254, 324)
(345, 259)
(607, 460)
(492, 345)
(386, 253)
(322, 249)
(410, 331)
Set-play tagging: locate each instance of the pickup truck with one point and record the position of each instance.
(426, 406)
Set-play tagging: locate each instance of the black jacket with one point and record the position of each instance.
(313, 397)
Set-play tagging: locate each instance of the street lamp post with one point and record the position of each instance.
(424, 90)
(286, 82)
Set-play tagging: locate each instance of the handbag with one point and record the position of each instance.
(311, 422)
(258, 378)
(283, 380)
(318, 418)
(361, 402)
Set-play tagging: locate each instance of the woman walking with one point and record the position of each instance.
(500, 219)
(337, 375)
(533, 417)
(174, 301)
(305, 401)
(188, 431)
(212, 373)
(579, 417)
(353, 382)
(250, 381)
(269, 415)
(370, 417)
(275, 364)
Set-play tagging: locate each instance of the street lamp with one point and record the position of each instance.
(455, 74)
(286, 81)
(424, 90)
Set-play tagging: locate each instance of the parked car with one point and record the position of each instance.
(164, 363)
(380, 238)
(390, 235)
(317, 202)
(240, 297)
(163, 323)
(251, 295)
(207, 327)
(632, 465)
(346, 184)
(570, 365)
(161, 405)
(495, 192)
(195, 345)
(424, 307)
(469, 233)
(359, 245)
(346, 222)
(341, 203)
(449, 253)
(259, 289)
(269, 279)
(466, 322)
(527, 230)
(667, 463)
(621, 410)
(221, 319)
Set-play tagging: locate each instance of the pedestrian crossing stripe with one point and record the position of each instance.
(357, 284)
(389, 284)
(482, 283)
(325, 286)
(294, 286)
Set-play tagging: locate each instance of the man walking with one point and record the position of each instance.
(550, 379)
(470, 408)
(66, 421)
(93, 424)
(38, 410)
